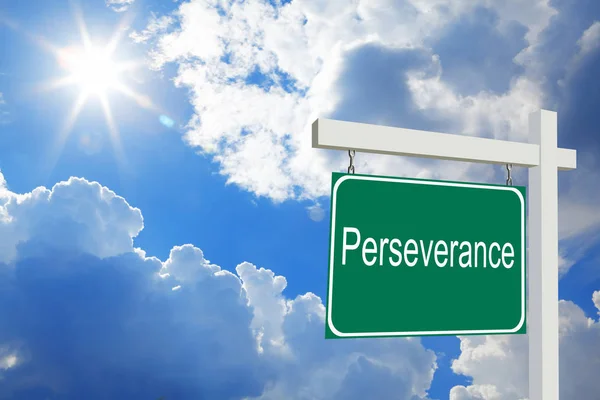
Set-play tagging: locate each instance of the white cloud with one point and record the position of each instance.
(586, 45)
(311, 42)
(479, 392)
(590, 39)
(312, 368)
(534, 15)
(316, 212)
(8, 359)
(4, 192)
(91, 218)
(498, 364)
(156, 25)
(364, 61)
(82, 311)
(265, 296)
(187, 264)
(119, 5)
(4, 114)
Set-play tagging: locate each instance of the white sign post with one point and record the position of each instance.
(544, 158)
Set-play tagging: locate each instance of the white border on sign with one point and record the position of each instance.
(423, 333)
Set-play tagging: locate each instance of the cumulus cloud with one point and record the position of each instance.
(590, 39)
(89, 217)
(84, 313)
(499, 369)
(264, 72)
(4, 192)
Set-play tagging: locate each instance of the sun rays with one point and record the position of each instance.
(95, 71)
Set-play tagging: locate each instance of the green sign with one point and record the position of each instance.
(412, 257)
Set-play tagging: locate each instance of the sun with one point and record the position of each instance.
(92, 69)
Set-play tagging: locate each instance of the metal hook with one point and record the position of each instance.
(351, 154)
(509, 180)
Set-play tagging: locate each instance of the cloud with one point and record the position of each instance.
(483, 64)
(119, 5)
(263, 73)
(479, 392)
(316, 212)
(156, 25)
(91, 219)
(579, 215)
(4, 192)
(84, 313)
(590, 40)
(341, 369)
(498, 364)
(4, 114)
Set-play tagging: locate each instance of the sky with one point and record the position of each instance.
(167, 234)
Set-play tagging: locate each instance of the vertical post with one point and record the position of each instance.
(543, 260)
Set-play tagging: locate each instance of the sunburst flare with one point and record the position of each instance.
(96, 72)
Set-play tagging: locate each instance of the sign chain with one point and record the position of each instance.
(351, 154)
(509, 180)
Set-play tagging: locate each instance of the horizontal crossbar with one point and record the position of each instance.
(343, 135)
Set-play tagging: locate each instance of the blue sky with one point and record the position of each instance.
(215, 184)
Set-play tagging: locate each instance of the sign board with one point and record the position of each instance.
(411, 257)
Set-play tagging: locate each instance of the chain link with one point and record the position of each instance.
(509, 180)
(351, 154)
